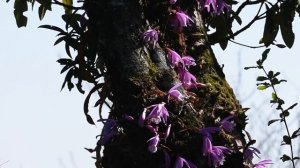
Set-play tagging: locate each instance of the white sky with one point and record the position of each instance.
(43, 127)
(39, 125)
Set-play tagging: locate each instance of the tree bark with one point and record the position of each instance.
(138, 76)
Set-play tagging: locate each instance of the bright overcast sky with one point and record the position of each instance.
(42, 127)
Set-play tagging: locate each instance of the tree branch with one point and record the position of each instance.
(255, 18)
(66, 6)
(246, 45)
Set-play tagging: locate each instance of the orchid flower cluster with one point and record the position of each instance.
(181, 65)
(178, 20)
(218, 6)
(158, 115)
(154, 118)
(216, 154)
(249, 153)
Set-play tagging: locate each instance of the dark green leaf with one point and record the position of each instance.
(65, 68)
(20, 19)
(271, 25)
(276, 74)
(284, 114)
(280, 45)
(71, 42)
(259, 63)
(287, 33)
(285, 158)
(251, 142)
(270, 74)
(296, 158)
(286, 139)
(275, 81)
(86, 103)
(42, 11)
(265, 55)
(280, 101)
(67, 48)
(223, 44)
(287, 14)
(272, 121)
(237, 18)
(252, 67)
(282, 81)
(52, 28)
(292, 106)
(90, 150)
(70, 85)
(73, 21)
(64, 61)
(20, 7)
(79, 86)
(59, 40)
(223, 29)
(296, 133)
(68, 78)
(46, 3)
(261, 78)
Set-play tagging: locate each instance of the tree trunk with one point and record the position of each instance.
(138, 76)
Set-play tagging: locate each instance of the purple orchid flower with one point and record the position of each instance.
(215, 154)
(152, 129)
(158, 113)
(108, 131)
(151, 36)
(174, 57)
(206, 132)
(142, 118)
(175, 94)
(128, 117)
(153, 142)
(218, 6)
(249, 154)
(188, 61)
(168, 131)
(183, 19)
(179, 20)
(180, 162)
(226, 124)
(172, 1)
(263, 164)
(188, 80)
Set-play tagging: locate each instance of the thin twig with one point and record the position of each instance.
(246, 45)
(255, 18)
(244, 4)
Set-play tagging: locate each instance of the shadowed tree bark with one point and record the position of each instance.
(138, 76)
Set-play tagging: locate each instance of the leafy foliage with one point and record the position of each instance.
(270, 80)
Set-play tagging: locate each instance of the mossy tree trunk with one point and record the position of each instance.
(138, 77)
